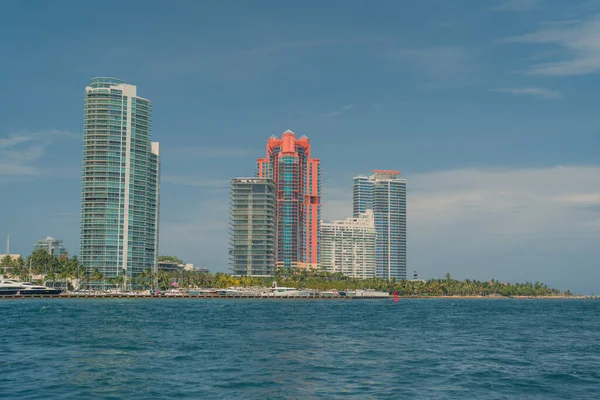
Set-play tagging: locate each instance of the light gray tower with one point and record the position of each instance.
(385, 193)
(120, 182)
(252, 245)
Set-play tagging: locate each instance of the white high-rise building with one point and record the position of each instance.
(348, 246)
(385, 193)
(120, 182)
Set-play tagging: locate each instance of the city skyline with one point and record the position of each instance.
(488, 110)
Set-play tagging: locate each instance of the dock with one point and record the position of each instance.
(185, 296)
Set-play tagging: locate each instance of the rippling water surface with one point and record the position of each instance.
(188, 348)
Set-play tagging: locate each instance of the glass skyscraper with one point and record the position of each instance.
(252, 209)
(120, 181)
(385, 193)
(297, 179)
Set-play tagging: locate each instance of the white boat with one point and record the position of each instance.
(202, 292)
(283, 291)
(14, 287)
(368, 293)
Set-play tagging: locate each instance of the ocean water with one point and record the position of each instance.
(295, 349)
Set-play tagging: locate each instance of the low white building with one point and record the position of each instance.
(188, 267)
(348, 246)
(13, 257)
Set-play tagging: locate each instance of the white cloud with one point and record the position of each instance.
(21, 151)
(579, 42)
(13, 140)
(524, 224)
(338, 112)
(527, 194)
(581, 198)
(510, 224)
(518, 5)
(530, 91)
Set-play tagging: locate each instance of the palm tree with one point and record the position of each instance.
(163, 280)
(97, 276)
(6, 263)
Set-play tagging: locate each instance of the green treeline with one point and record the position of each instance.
(337, 281)
(42, 263)
(68, 268)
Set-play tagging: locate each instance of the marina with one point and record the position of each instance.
(211, 293)
(16, 289)
(184, 296)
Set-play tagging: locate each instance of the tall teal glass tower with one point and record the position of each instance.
(385, 194)
(120, 181)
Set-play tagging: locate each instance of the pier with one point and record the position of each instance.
(185, 296)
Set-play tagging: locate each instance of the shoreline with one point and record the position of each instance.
(125, 296)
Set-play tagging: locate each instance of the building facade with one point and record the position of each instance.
(170, 266)
(348, 246)
(53, 246)
(297, 179)
(252, 216)
(120, 181)
(385, 193)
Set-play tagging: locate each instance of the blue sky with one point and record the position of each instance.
(488, 107)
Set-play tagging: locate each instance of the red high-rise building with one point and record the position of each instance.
(297, 179)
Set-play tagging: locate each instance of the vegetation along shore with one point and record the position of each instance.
(41, 267)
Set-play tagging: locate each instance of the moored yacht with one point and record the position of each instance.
(11, 287)
(239, 291)
(369, 293)
(202, 292)
(229, 292)
(283, 291)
